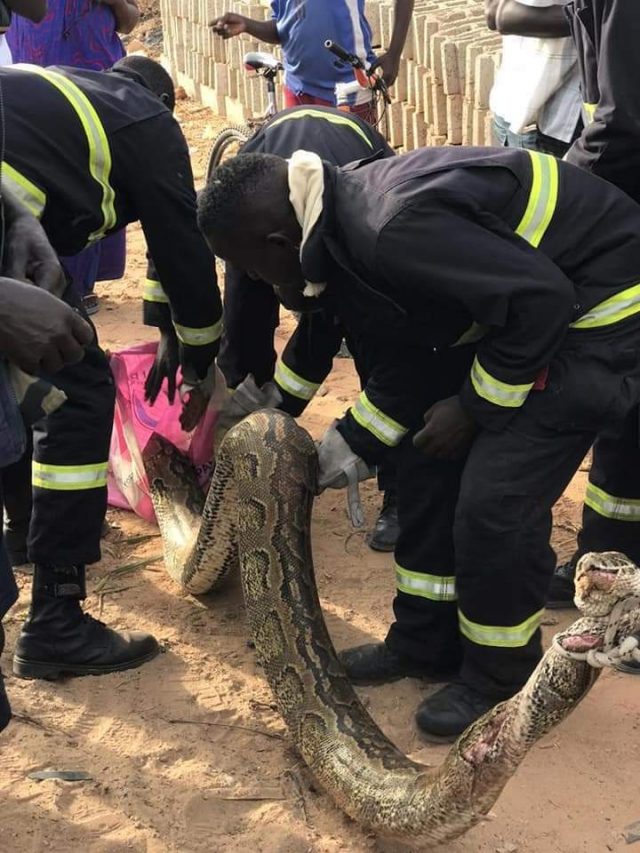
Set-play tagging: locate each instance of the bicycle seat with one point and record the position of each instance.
(258, 60)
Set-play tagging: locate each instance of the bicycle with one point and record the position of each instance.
(231, 139)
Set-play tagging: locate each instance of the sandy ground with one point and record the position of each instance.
(187, 754)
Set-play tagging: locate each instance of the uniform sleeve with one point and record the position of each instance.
(307, 360)
(165, 202)
(156, 310)
(609, 146)
(516, 291)
(386, 410)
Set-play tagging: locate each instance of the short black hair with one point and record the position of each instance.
(237, 191)
(153, 74)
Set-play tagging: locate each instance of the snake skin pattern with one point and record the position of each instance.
(258, 513)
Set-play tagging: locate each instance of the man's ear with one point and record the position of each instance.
(165, 97)
(282, 241)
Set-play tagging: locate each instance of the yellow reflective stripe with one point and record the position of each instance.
(495, 391)
(543, 198)
(589, 111)
(153, 291)
(68, 478)
(332, 117)
(610, 506)
(474, 333)
(433, 587)
(499, 636)
(99, 151)
(198, 337)
(373, 419)
(613, 310)
(27, 192)
(293, 384)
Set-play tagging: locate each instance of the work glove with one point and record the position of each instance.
(164, 367)
(248, 398)
(339, 468)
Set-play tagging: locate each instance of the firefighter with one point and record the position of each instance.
(454, 266)
(251, 310)
(94, 152)
(606, 33)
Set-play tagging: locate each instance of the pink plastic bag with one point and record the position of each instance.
(135, 421)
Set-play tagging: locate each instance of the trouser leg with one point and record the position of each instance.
(251, 316)
(503, 558)
(611, 514)
(16, 480)
(69, 472)
(425, 609)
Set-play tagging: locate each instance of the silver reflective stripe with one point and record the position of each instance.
(99, 150)
(69, 477)
(433, 587)
(624, 304)
(25, 191)
(499, 636)
(198, 337)
(154, 292)
(495, 391)
(293, 384)
(610, 506)
(543, 198)
(371, 418)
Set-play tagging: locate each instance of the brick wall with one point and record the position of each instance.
(441, 96)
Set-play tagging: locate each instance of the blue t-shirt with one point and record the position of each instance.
(304, 26)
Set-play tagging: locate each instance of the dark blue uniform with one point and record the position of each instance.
(607, 35)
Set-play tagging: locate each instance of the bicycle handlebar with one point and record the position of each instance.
(344, 55)
(362, 73)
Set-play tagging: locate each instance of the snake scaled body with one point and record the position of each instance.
(257, 514)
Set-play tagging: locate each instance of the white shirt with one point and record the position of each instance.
(538, 82)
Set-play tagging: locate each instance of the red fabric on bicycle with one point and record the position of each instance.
(366, 112)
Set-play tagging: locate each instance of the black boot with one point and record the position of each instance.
(562, 591)
(58, 638)
(447, 713)
(376, 663)
(386, 531)
(5, 708)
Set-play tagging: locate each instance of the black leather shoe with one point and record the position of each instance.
(632, 668)
(386, 531)
(447, 713)
(562, 591)
(59, 639)
(376, 663)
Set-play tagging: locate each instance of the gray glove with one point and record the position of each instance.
(248, 398)
(339, 468)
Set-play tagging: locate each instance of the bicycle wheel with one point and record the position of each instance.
(227, 144)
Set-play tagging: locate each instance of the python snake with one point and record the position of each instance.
(258, 514)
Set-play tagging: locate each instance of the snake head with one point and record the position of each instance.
(604, 579)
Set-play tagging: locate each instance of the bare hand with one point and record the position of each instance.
(229, 25)
(389, 65)
(29, 256)
(38, 332)
(448, 430)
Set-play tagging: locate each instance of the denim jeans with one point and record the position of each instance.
(532, 139)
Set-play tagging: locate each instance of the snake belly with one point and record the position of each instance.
(258, 514)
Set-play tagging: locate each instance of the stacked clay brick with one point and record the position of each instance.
(441, 96)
